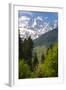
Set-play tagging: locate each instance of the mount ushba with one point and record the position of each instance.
(35, 30)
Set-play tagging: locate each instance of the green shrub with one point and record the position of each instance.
(24, 70)
(40, 71)
(33, 74)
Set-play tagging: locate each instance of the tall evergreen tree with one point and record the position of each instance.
(20, 48)
(25, 49)
(28, 47)
(35, 61)
(42, 58)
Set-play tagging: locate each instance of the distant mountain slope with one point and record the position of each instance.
(47, 39)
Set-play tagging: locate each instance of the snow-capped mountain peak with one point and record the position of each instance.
(35, 26)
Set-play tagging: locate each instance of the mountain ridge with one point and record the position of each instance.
(47, 39)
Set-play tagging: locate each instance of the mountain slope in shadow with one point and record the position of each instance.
(47, 39)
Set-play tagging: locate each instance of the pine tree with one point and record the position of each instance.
(35, 61)
(25, 49)
(28, 47)
(20, 48)
(42, 58)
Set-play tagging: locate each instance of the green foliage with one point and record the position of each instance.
(51, 62)
(20, 48)
(50, 66)
(33, 74)
(42, 58)
(35, 60)
(25, 50)
(24, 70)
(28, 47)
(40, 72)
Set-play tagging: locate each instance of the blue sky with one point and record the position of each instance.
(50, 15)
(30, 17)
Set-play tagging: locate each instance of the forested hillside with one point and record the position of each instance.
(37, 62)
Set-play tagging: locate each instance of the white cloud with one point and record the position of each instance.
(23, 21)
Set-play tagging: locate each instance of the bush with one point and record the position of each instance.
(33, 74)
(24, 70)
(40, 71)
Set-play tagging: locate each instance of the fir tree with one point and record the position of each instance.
(35, 61)
(42, 58)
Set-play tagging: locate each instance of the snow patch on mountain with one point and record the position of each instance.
(25, 33)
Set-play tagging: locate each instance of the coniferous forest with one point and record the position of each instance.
(37, 61)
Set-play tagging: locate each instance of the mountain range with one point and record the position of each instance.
(26, 32)
(36, 28)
